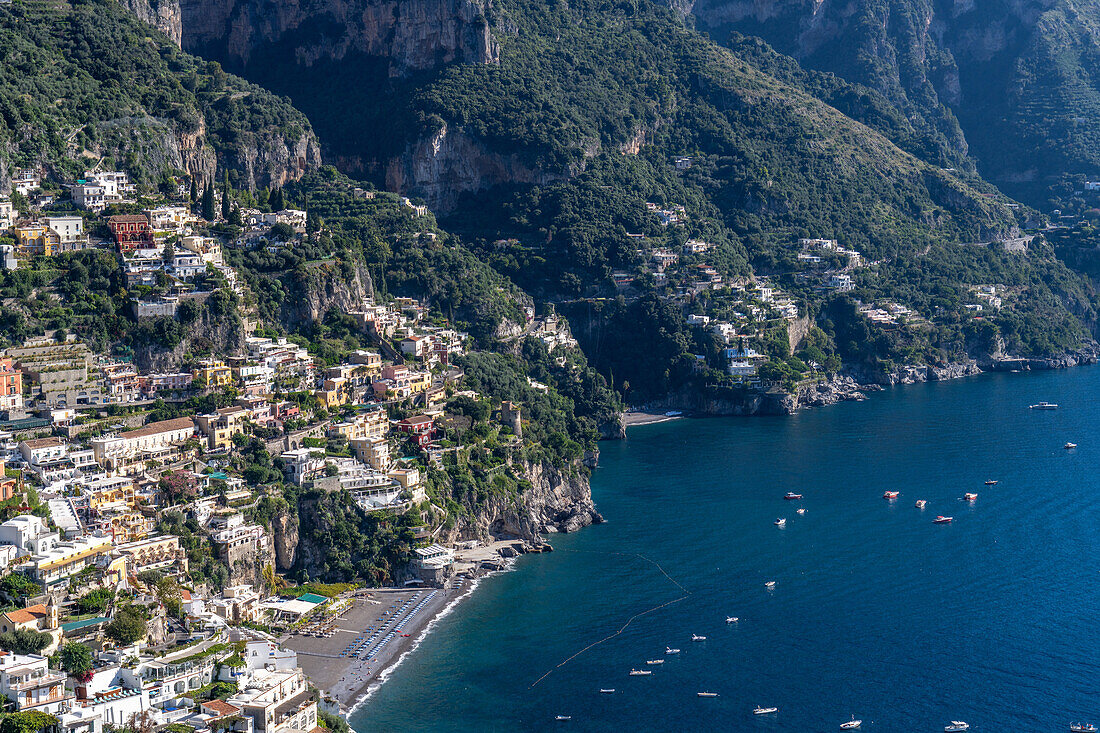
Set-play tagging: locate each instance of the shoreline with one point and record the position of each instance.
(347, 683)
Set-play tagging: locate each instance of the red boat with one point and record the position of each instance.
(942, 520)
(969, 497)
(890, 494)
(790, 495)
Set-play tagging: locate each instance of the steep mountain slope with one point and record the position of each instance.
(87, 82)
(1021, 76)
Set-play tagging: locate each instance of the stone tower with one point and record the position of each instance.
(510, 416)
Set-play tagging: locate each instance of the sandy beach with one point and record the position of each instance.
(383, 624)
(641, 417)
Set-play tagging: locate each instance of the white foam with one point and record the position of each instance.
(384, 675)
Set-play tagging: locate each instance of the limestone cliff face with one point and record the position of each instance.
(164, 15)
(442, 167)
(413, 34)
(284, 539)
(559, 500)
(218, 333)
(323, 288)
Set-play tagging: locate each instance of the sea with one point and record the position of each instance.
(876, 613)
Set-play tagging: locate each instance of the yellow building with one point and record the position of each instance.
(220, 426)
(36, 239)
(214, 373)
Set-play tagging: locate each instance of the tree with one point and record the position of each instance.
(19, 586)
(178, 487)
(208, 202)
(226, 191)
(275, 200)
(24, 641)
(27, 721)
(281, 232)
(129, 625)
(194, 191)
(76, 659)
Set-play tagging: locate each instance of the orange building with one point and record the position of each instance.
(11, 385)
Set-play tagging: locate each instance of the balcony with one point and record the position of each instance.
(39, 681)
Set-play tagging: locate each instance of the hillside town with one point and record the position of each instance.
(142, 584)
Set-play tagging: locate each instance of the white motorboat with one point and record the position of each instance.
(732, 619)
(852, 724)
(670, 650)
(639, 672)
(1069, 446)
(942, 520)
(1082, 728)
(956, 726)
(697, 637)
(707, 694)
(781, 522)
(563, 717)
(606, 691)
(655, 661)
(769, 584)
(764, 711)
(921, 503)
(800, 510)
(1044, 406)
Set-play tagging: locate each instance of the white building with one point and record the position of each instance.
(69, 229)
(90, 196)
(7, 214)
(28, 682)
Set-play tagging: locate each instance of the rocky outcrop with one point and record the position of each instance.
(321, 288)
(558, 500)
(442, 167)
(164, 15)
(284, 539)
(215, 333)
(414, 35)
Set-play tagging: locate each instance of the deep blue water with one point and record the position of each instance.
(876, 612)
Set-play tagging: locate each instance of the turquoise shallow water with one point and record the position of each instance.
(876, 611)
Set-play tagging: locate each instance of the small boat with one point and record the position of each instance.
(921, 504)
(800, 510)
(670, 650)
(968, 496)
(890, 494)
(655, 661)
(764, 711)
(673, 413)
(956, 726)
(1069, 446)
(991, 482)
(696, 637)
(707, 694)
(563, 717)
(781, 522)
(942, 520)
(770, 584)
(732, 619)
(791, 496)
(1082, 728)
(606, 692)
(852, 724)
(639, 672)
(1044, 406)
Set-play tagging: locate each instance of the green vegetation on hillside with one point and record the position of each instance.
(86, 81)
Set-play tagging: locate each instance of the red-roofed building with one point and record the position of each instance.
(420, 427)
(131, 231)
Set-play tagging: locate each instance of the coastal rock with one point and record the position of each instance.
(210, 332)
(284, 539)
(324, 286)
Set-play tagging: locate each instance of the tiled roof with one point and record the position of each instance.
(23, 615)
(163, 426)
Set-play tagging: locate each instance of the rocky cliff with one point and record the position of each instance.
(441, 167)
(210, 332)
(412, 35)
(1005, 70)
(164, 15)
(321, 288)
(559, 500)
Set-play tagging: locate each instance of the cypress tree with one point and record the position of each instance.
(225, 196)
(194, 191)
(208, 202)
